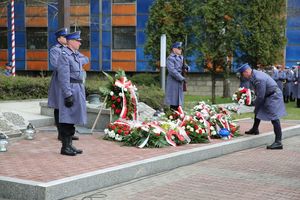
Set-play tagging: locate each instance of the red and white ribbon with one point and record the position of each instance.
(123, 83)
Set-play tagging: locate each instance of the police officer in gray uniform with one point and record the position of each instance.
(269, 105)
(287, 90)
(54, 53)
(71, 92)
(175, 79)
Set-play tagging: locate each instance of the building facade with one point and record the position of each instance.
(113, 33)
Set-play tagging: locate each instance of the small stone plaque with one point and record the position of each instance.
(11, 124)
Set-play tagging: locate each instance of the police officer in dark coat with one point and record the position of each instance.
(269, 105)
(287, 90)
(54, 53)
(175, 79)
(71, 92)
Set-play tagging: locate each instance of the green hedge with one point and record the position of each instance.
(22, 87)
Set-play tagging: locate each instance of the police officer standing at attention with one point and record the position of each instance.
(269, 105)
(71, 92)
(175, 79)
(55, 52)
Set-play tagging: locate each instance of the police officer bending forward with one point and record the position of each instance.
(269, 105)
(72, 103)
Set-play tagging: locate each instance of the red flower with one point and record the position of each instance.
(118, 111)
(113, 98)
(119, 100)
(113, 106)
(126, 132)
(113, 127)
(119, 131)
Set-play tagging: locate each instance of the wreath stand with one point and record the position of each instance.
(100, 110)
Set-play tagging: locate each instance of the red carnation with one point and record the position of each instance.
(113, 106)
(118, 111)
(119, 131)
(113, 98)
(113, 127)
(119, 100)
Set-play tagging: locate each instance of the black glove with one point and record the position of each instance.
(69, 101)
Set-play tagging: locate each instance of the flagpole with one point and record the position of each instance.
(13, 55)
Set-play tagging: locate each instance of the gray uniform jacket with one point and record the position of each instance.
(288, 84)
(174, 89)
(70, 77)
(269, 103)
(54, 53)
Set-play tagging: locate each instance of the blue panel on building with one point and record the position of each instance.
(106, 53)
(95, 39)
(106, 66)
(94, 6)
(106, 23)
(106, 38)
(95, 54)
(140, 56)
(141, 21)
(94, 66)
(291, 63)
(20, 38)
(141, 38)
(94, 23)
(20, 65)
(293, 21)
(144, 67)
(143, 6)
(19, 9)
(293, 36)
(106, 7)
(292, 53)
(293, 4)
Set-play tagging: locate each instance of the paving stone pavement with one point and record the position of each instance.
(250, 174)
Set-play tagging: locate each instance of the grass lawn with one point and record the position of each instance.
(191, 100)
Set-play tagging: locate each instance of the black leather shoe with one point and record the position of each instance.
(77, 151)
(67, 151)
(275, 145)
(252, 132)
(75, 137)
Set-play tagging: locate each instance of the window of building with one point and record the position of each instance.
(124, 1)
(35, 3)
(3, 38)
(84, 35)
(36, 38)
(124, 37)
(79, 2)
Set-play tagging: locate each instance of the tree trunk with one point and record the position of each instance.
(226, 82)
(213, 87)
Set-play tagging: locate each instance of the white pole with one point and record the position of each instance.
(163, 50)
(13, 38)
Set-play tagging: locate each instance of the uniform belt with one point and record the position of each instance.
(75, 81)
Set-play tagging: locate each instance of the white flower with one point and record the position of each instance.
(156, 131)
(145, 128)
(106, 131)
(125, 89)
(192, 129)
(118, 137)
(188, 126)
(112, 134)
(183, 127)
(111, 93)
(120, 94)
(197, 131)
(171, 117)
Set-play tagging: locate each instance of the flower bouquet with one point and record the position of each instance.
(244, 96)
(117, 131)
(121, 96)
(195, 130)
